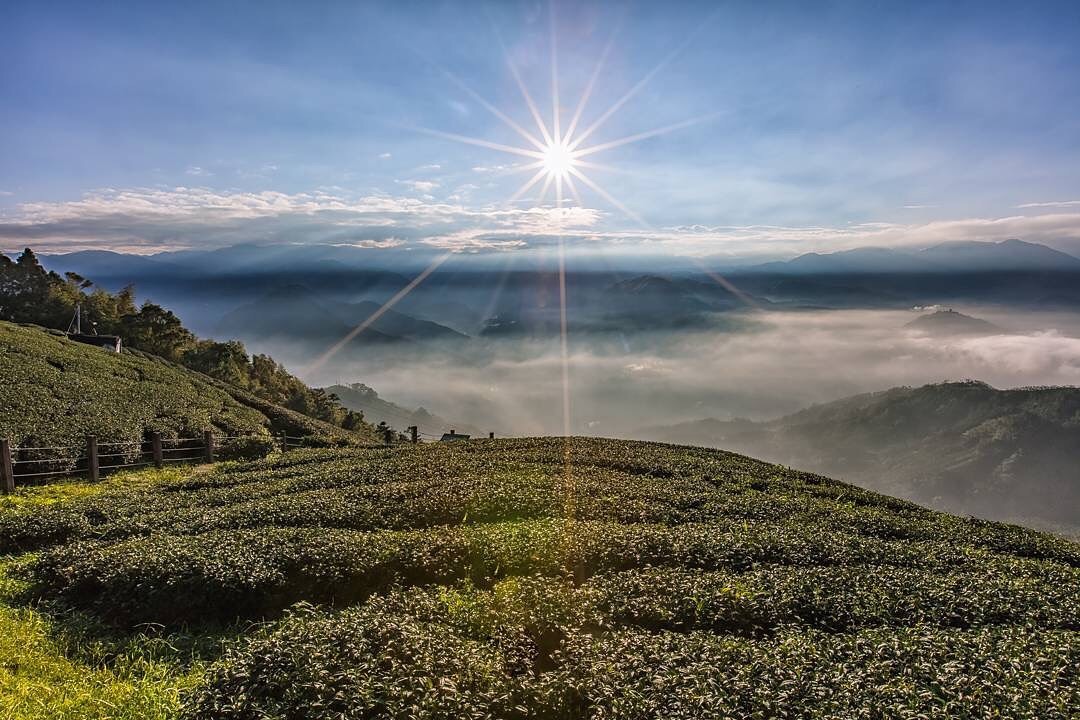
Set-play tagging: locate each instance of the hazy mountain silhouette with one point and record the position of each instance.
(965, 447)
(960, 257)
(950, 322)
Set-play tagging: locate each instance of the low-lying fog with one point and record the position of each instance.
(777, 363)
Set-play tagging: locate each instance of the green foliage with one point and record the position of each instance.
(569, 579)
(251, 447)
(30, 294)
(432, 654)
(57, 392)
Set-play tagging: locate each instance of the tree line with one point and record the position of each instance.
(31, 294)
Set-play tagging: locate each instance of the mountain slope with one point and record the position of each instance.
(294, 312)
(1005, 255)
(951, 323)
(963, 447)
(56, 392)
(569, 578)
(359, 397)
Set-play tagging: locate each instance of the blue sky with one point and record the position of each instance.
(147, 126)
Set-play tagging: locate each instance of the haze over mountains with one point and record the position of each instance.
(471, 294)
(476, 347)
(966, 447)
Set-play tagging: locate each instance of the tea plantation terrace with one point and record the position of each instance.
(581, 578)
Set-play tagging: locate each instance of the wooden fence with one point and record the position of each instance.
(22, 465)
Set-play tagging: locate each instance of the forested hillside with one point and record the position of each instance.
(30, 294)
(56, 392)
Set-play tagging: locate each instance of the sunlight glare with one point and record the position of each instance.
(558, 160)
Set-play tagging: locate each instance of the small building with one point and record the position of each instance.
(453, 436)
(108, 342)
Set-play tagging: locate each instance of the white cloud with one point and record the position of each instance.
(164, 218)
(385, 156)
(434, 166)
(1051, 203)
(420, 186)
(6, 193)
(153, 219)
(492, 168)
(198, 171)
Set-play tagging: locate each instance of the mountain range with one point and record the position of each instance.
(965, 447)
(953, 257)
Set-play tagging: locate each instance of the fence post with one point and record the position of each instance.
(388, 436)
(413, 431)
(92, 459)
(7, 470)
(491, 436)
(155, 447)
(208, 443)
(284, 441)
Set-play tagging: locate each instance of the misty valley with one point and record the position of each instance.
(750, 359)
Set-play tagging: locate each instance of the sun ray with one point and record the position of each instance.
(495, 111)
(573, 190)
(525, 92)
(640, 85)
(482, 143)
(525, 188)
(604, 194)
(727, 285)
(604, 167)
(556, 120)
(521, 168)
(547, 184)
(638, 137)
(351, 335)
(591, 84)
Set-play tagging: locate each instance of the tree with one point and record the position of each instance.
(157, 330)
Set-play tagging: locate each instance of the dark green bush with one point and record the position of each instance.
(464, 653)
(249, 447)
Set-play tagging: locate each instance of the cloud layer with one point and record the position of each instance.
(156, 219)
(785, 361)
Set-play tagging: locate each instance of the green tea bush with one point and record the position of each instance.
(58, 391)
(393, 657)
(551, 578)
(248, 447)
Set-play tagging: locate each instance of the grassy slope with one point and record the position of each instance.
(56, 392)
(590, 579)
(52, 665)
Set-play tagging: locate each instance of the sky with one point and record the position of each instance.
(793, 126)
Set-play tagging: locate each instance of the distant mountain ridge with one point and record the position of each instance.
(294, 312)
(360, 397)
(961, 256)
(964, 447)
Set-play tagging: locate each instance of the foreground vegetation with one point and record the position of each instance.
(563, 579)
(58, 663)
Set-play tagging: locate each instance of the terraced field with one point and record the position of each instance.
(568, 579)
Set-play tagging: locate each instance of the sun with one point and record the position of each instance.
(557, 154)
(559, 161)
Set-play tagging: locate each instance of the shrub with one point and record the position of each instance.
(249, 447)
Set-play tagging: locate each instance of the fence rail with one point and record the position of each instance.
(28, 463)
(23, 463)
